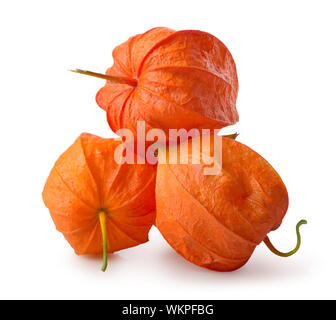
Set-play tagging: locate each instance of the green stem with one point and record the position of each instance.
(107, 77)
(287, 254)
(102, 220)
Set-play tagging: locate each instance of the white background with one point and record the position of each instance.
(285, 53)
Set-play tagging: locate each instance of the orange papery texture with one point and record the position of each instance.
(216, 221)
(183, 79)
(87, 179)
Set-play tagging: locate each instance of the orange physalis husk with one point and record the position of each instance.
(170, 79)
(99, 205)
(216, 221)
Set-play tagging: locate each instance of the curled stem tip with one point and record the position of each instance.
(298, 243)
(107, 77)
(102, 220)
